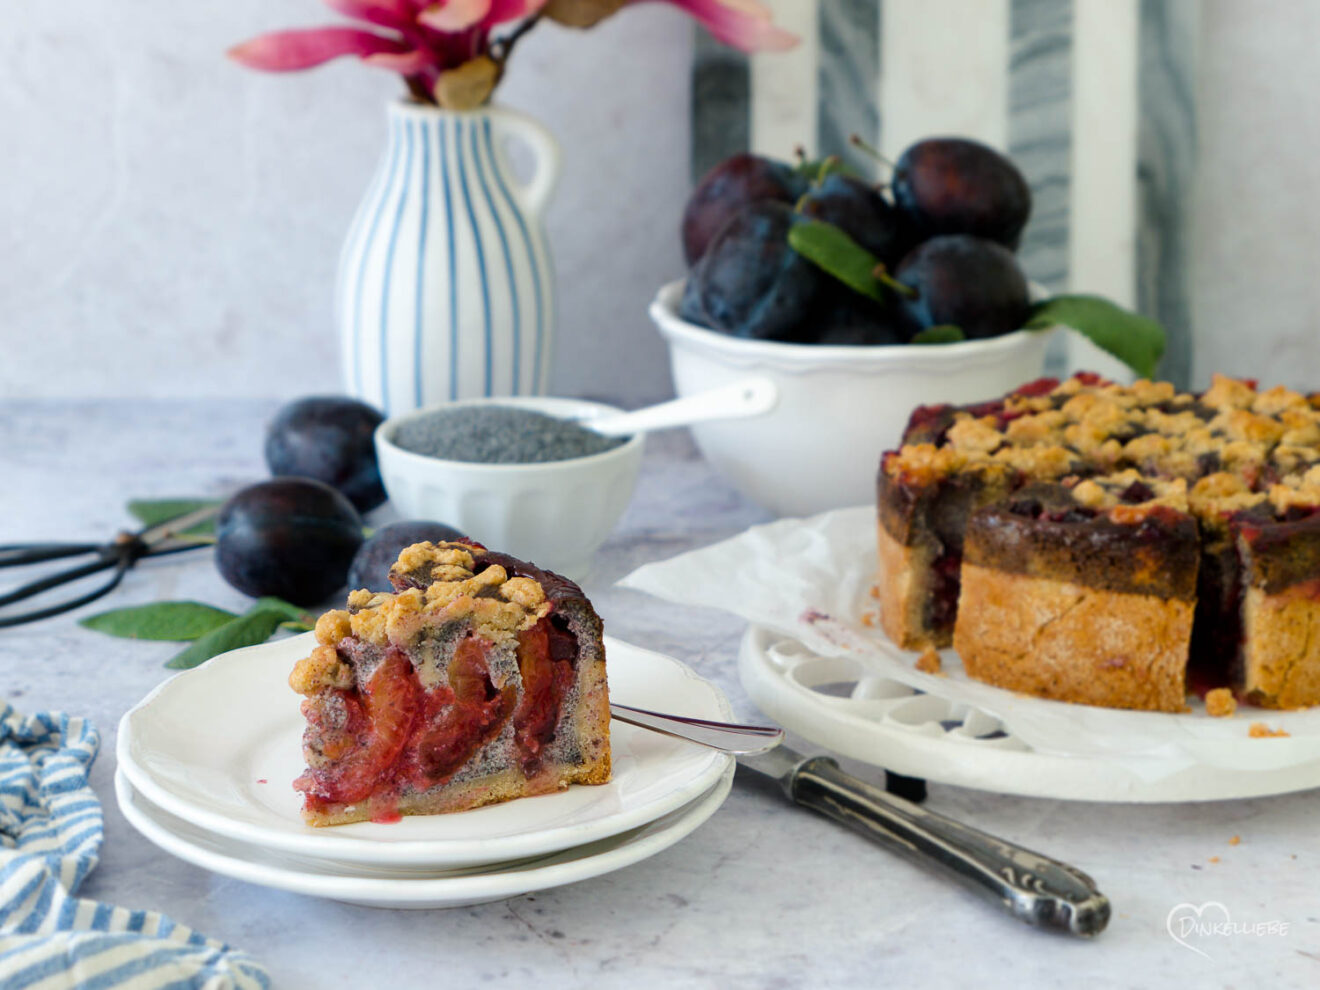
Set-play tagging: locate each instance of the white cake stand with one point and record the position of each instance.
(835, 704)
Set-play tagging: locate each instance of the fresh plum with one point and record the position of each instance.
(843, 316)
(970, 282)
(689, 307)
(958, 186)
(860, 212)
(293, 538)
(750, 283)
(372, 562)
(726, 189)
(328, 438)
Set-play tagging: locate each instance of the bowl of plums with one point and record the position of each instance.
(862, 301)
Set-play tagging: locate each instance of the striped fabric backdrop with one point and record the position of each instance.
(1094, 99)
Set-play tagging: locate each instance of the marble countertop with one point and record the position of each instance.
(762, 895)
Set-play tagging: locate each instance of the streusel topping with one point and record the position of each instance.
(1101, 438)
(497, 606)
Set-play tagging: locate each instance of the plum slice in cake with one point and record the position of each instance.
(480, 679)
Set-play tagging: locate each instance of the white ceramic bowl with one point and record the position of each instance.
(839, 407)
(554, 514)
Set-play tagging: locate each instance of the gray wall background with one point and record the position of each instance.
(169, 222)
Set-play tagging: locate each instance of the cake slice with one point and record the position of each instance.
(1271, 625)
(480, 679)
(953, 461)
(1084, 594)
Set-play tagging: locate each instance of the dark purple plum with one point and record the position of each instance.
(293, 538)
(957, 186)
(372, 562)
(843, 316)
(328, 438)
(689, 307)
(860, 212)
(750, 283)
(728, 187)
(969, 282)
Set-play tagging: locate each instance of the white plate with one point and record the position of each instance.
(255, 865)
(219, 747)
(840, 703)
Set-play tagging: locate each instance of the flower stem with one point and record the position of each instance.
(501, 48)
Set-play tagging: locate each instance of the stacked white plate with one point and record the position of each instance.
(207, 760)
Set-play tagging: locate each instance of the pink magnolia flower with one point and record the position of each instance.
(743, 24)
(423, 40)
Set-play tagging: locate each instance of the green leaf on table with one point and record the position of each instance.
(249, 629)
(151, 512)
(1136, 340)
(177, 621)
(834, 252)
(944, 333)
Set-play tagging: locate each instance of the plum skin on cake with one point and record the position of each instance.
(480, 679)
(1112, 545)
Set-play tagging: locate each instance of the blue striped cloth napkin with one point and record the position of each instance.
(50, 839)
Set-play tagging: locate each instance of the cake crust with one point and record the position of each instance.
(1064, 641)
(1281, 646)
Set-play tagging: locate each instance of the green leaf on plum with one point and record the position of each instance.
(945, 333)
(1136, 340)
(172, 621)
(815, 169)
(834, 252)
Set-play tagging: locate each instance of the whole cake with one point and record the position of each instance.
(480, 679)
(1112, 545)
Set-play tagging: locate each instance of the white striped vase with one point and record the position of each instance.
(445, 287)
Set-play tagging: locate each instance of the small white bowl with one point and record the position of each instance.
(555, 514)
(839, 407)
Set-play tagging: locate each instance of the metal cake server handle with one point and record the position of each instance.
(1034, 888)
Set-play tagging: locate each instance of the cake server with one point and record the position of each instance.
(1032, 887)
(728, 736)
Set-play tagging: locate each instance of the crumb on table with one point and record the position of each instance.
(1220, 702)
(1259, 730)
(1235, 840)
(868, 619)
(1214, 859)
(929, 661)
(875, 591)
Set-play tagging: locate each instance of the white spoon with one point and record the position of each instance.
(748, 397)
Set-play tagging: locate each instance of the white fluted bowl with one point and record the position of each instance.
(555, 514)
(839, 407)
